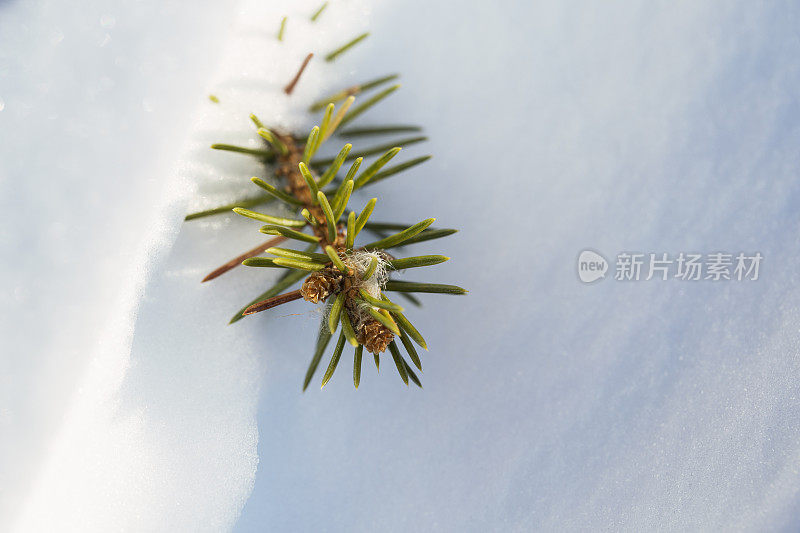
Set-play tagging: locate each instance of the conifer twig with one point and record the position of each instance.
(352, 280)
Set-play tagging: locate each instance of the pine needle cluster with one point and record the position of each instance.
(351, 278)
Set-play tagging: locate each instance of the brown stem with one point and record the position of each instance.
(275, 301)
(236, 261)
(289, 88)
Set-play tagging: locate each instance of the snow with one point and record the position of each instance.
(548, 404)
(131, 404)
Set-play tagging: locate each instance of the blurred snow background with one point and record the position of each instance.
(126, 402)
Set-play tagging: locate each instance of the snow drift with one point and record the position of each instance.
(548, 404)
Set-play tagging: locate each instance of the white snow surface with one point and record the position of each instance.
(126, 402)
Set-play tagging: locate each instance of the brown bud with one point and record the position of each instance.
(317, 287)
(374, 336)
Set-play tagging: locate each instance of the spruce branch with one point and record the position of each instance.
(351, 278)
